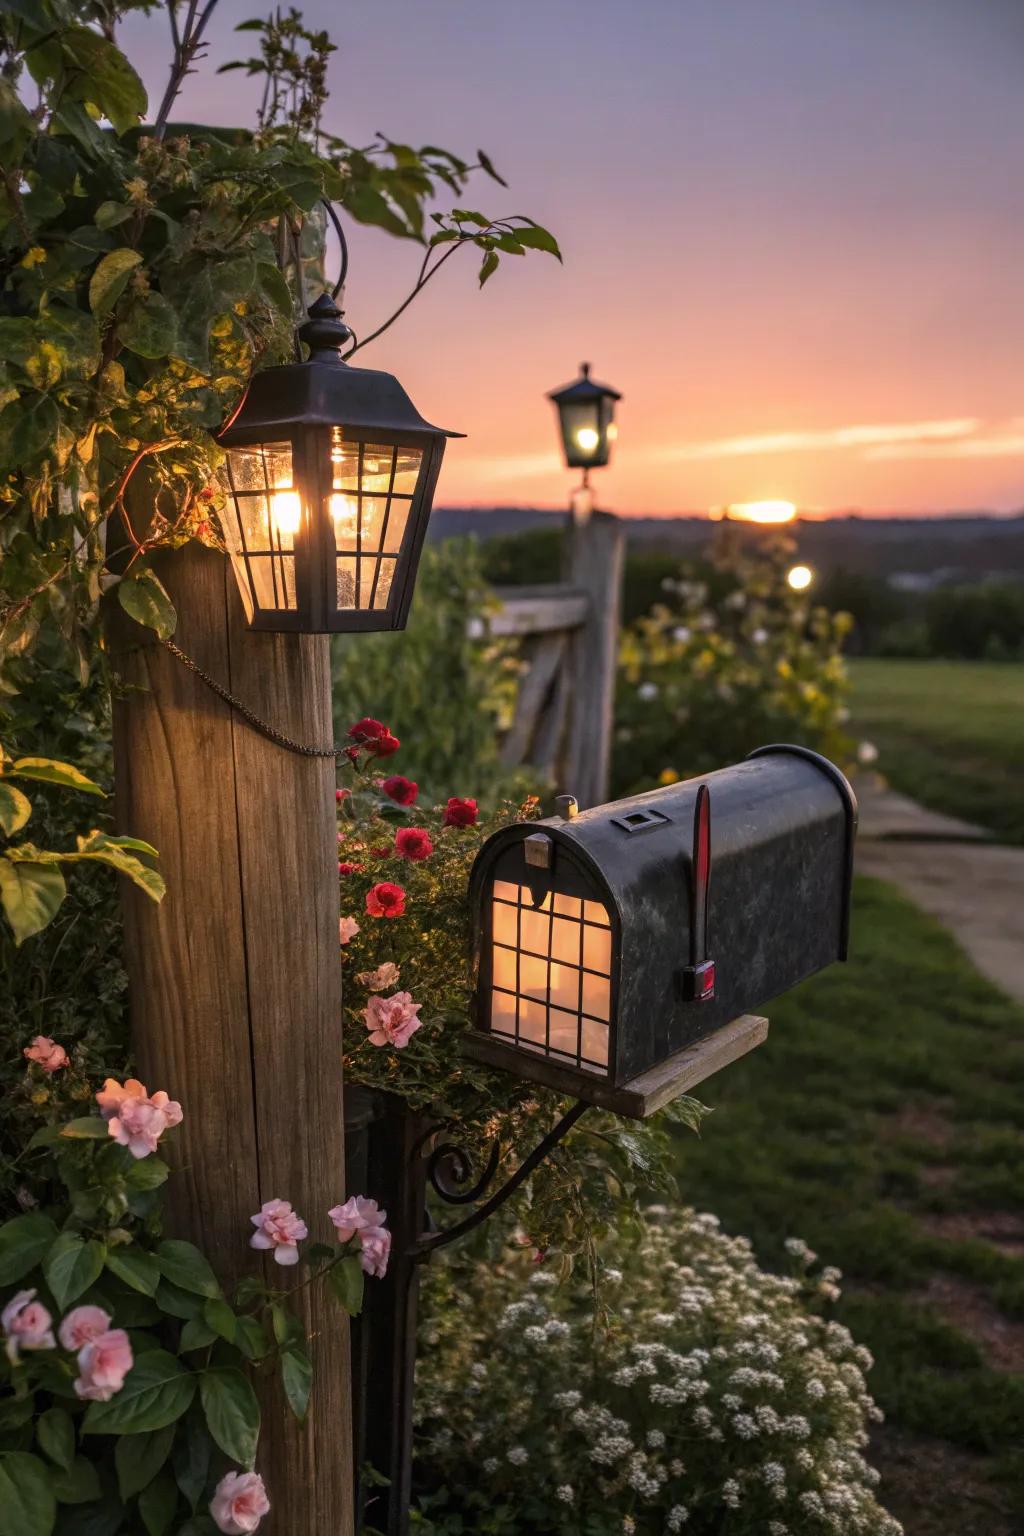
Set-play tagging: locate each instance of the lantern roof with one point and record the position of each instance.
(583, 389)
(324, 391)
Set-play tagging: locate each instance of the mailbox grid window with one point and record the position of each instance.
(372, 489)
(551, 975)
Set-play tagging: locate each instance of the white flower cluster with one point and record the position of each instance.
(705, 1386)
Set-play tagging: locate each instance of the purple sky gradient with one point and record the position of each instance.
(781, 219)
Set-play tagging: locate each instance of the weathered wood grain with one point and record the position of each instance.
(235, 978)
(596, 556)
(534, 693)
(538, 610)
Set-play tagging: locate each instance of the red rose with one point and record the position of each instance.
(345, 868)
(385, 900)
(341, 794)
(459, 813)
(401, 791)
(374, 738)
(413, 843)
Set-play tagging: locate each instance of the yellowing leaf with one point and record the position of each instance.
(30, 895)
(15, 809)
(110, 278)
(48, 771)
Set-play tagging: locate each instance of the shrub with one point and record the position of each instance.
(709, 1398)
(726, 665)
(979, 623)
(444, 680)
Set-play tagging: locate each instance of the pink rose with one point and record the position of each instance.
(384, 976)
(239, 1503)
(103, 1364)
(82, 1325)
(376, 1246)
(280, 1229)
(46, 1053)
(26, 1325)
(347, 926)
(135, 1120)
(392, 1020)
(358, 1214)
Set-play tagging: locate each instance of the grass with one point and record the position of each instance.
(950, 733)
(883, 1122)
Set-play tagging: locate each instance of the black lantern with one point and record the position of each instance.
(605, 949)
(330, 478)
(585, 414)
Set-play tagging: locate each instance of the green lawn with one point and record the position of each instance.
(883, 1121)
(950, 733)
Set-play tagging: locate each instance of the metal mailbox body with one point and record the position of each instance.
(782, 827)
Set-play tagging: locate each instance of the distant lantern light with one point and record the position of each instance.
(585, 415)
(330, 476)
(800, 577)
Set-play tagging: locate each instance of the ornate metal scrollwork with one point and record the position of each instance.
(450, 1168)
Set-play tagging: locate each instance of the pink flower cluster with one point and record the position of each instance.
(239, 1503)
(104, 1353)
(46, 1053)
(364, 1219)
(280, 1230)
(134, 1119)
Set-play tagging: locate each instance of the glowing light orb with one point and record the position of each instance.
(285, 511)
(800, 577)
(587, 438)
(762, 511)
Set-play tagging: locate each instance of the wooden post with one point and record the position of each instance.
(235, 979)
(595, 562)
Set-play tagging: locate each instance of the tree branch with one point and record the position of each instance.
(187, 41)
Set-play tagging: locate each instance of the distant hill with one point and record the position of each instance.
(953, 546)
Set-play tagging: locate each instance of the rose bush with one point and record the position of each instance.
(709, 1397)
(126, 1395)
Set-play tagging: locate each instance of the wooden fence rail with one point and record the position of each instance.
(569, 632)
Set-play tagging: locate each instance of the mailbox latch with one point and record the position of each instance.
(699, 975)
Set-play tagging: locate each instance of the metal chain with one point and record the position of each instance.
(271, 733)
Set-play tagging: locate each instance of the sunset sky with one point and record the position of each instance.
(793, 235)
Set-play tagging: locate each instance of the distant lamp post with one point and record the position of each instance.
(586, 412)
(800, 577)
(330, 477)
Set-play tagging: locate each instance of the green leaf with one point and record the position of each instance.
(158, 1504)
(252, 1339)
(538, 239)
(297, 1379)
(100, 848)
(221, 1319)
(138, 1458)
(178, 1303)
(487, 166)
(196, 1334)
(347, 1280)
(30, 894)
(156, 1392)
(687, 1111)
(184, 1265)
(71, 1266)
(110, 214)
(146, 1173)
(150, 329)
(275, 287)
(110, 279)
(287, 1328)
(104, 77)
(488, 266)
(191, 1457)
(86, 1128)
(136, 1268)
(55, 1432)
(48, 771)
(27, 1503)
(16, 126)
(23, 1242)
(144, 598)
(79, 1485)
(232, 1413)
(15, 809)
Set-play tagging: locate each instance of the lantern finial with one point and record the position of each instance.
(325, 332)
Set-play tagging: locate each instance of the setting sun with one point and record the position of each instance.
(762, 511)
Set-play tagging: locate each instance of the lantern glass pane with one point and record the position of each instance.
(372, 490)
(583, 430)
(551, 975)
(262, 515)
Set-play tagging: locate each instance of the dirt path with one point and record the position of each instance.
(954, 872)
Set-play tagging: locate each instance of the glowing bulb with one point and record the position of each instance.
(587, 438)
(763, 511)
(344, 512)
(611, 432)
(285, 511)
(800, 577)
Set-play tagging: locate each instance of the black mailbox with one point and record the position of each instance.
(608, 943)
